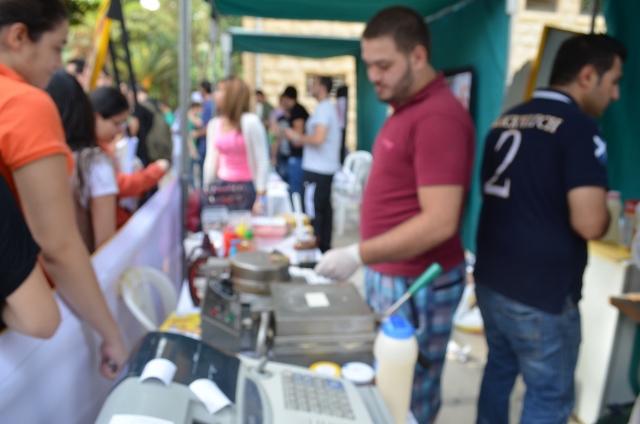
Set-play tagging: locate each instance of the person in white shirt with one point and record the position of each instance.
(320, 160)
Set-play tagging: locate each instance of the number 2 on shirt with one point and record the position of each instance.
(491, 187)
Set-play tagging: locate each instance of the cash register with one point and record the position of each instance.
(260, 392)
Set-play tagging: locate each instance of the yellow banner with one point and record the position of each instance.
(100, 42)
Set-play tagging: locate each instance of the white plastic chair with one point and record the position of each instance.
(348, 185)
(135, 289)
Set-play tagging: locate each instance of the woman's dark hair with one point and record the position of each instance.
(108, 101)
(75, 110)
(77, 118)
(39, 16)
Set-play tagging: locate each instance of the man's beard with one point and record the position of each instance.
(402, 89)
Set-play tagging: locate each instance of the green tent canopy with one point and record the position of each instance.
(326, 10)
(480, 40)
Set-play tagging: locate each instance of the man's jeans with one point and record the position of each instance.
(540, 345)
(295, 174)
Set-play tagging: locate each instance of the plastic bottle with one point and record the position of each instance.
(396, 352)
(630, 219)
(614, 205)
(262, 206)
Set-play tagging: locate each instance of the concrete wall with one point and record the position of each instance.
(527, 27)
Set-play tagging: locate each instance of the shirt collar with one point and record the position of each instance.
(549, 94)
(422, 94)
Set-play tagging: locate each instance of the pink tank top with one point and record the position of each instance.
(233, 164)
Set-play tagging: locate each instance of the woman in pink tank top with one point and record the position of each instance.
(237, 146)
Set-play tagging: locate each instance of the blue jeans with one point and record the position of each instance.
(540, 345)
(295, 174)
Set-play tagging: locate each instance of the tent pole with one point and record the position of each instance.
(184, 84)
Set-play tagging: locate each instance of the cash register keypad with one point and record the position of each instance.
(303, 392)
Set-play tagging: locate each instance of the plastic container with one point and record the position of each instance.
(328, 369)
(630, 220)
(614, 205)
(396, 352)
(358, 372)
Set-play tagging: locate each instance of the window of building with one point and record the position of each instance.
(546, 5)
(337, 80)
(586, 6)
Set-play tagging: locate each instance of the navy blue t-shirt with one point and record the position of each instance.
(18, 250)
(534, 155)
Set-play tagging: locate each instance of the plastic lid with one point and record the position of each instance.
(358, 372)
(329, 369)
(397, 327)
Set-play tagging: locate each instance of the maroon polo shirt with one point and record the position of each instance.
(429, 140)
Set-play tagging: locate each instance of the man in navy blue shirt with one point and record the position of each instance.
(544, 188)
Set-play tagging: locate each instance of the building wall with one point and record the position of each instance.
(526, 31)
(280, 71)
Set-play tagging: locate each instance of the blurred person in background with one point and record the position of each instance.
(297, 116)
(280, 149)
(321, 144)
(207, 113)
(36, 162)
(237, 143)
(93, 182)
(111, 110)
(194, 115)
(263, 108)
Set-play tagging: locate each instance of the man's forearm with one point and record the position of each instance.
(407, 240)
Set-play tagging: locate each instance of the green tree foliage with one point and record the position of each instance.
(153, 44)
(79, 8)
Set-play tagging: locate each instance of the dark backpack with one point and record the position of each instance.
(159, 143)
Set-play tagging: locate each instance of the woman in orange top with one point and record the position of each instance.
(36, 161)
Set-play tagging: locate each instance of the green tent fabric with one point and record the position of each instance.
(620, 123)
(326, 10)
(480, 40)
(475, 35)
(316, 47)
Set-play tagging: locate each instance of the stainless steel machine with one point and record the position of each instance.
(257, 308)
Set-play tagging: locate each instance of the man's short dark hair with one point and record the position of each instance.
(404, 25)
(259, 92)
(327, 82)
(291, 93)
(206, 86)
(598, 50)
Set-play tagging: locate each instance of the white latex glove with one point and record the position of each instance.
(339, 264)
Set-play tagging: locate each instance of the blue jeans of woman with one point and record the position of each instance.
(542, 346)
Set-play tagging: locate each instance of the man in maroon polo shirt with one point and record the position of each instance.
(414, 199)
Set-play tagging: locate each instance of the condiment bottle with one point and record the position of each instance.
(396, 351)
(614, 205)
